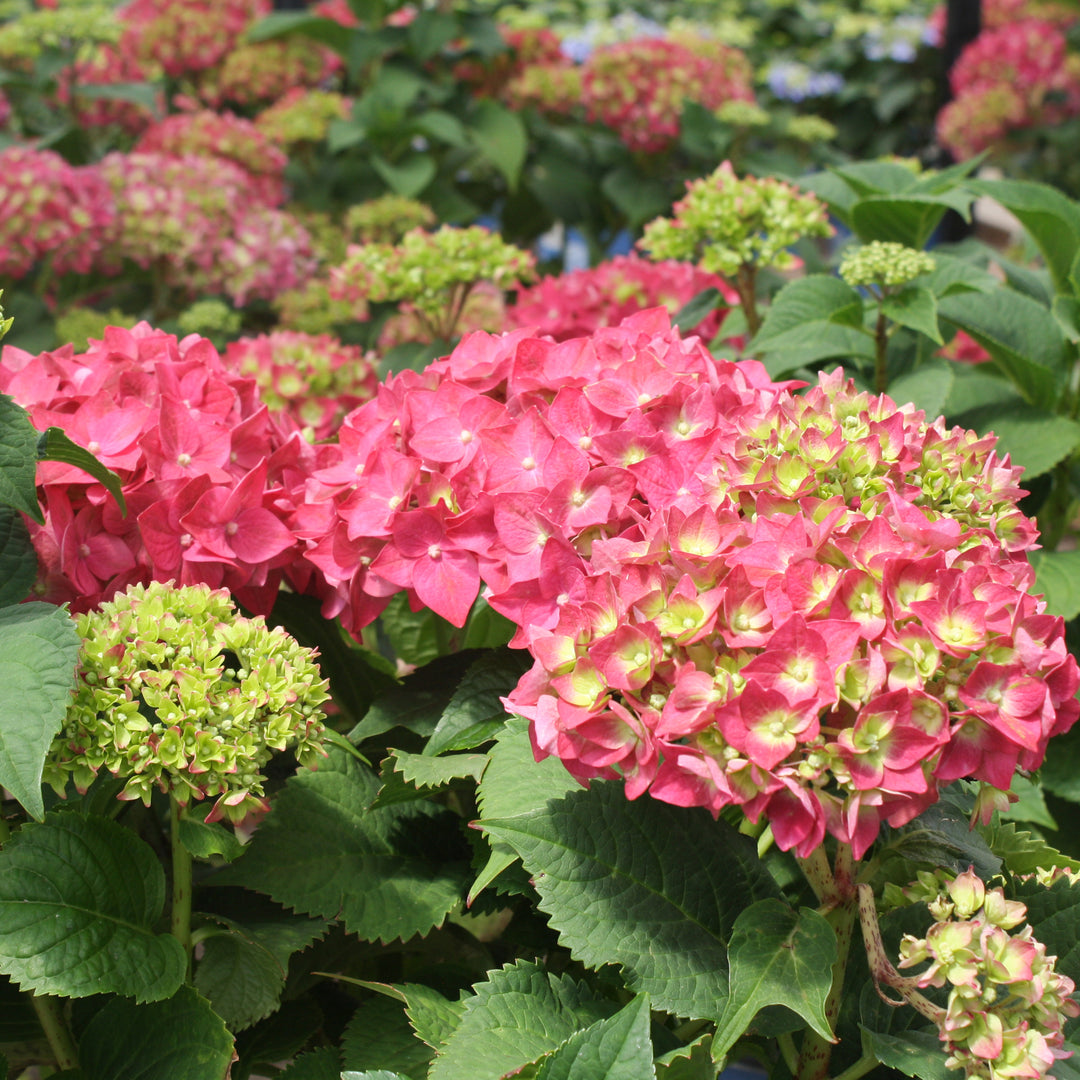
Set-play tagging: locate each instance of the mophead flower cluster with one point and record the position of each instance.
(177, 692)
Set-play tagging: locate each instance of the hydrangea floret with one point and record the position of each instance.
(387, 219)
(210, 318)
(262, 73)
(179, 693)
(65, 28)
(302, 116)
(885, 264)
(1006, 1005)
(431, 273)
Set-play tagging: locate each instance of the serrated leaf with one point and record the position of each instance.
(374, 1074)
(431, 772)
(37, 671)
(321, 1064)
(916, 308)
(407, 177)
(475, 712)
(693, 1062)
(697, 308)
(18, 560)
(324, 852)
(241, 979)
(515, 783)
(1035, 283)
(974, 387)
(905, 219)
(616, 1048)
(283, 23)
(942, 836)
(870, 178)
(379, 1035)
(1024, 341)
(1033, 437)
(927, 387)
(204, 840)
(279, 1036)
(1030, 805)
(914, 1053)
(1052, 914)
(818, 297)
(651, 887)
(952, 275)
(520, 1013)
(1023, 853)
(1057, 578)
(777, 956)
(18, 458)
(178, 1039)
(1066, 309)
(501, 138)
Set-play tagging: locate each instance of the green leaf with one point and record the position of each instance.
(515, 783)
(974, 386)
(616, 1048)
(425, 771)
(241, 979)
(429, 32)
(408, 176)
(321, 1064)
(1052, 915)
(204, 840)
(816, 298)
(651, 887)
(927, 387)
(417, 704)
(941, 836)
(1030, 805)
(693, 1062)
(374, 1074)
(282, 23)
(778, 956)
(379, 1035)
(1057, 577)
(914, 1053)
(1034, 283)
(54, 445)
(341, 134)
(18, 561)
(138, 93)
(1026, 343)
(1051, 219)
(1033, 437)
(639, 197)
(323, 852)
(698, 308)
(916, 308)
(952, 275)
(520, 1013)
(278, 1037)
(1022, 852)
(868, 178)
(907, 219)
(501, 138)
(18, 457)
(79, 900)
(37, 671)
(486, 628)
(1066, 309)
(441, 125)
(836, 192)
(475, 712)
(1060, 772)
(416, 637)
(178, 1039)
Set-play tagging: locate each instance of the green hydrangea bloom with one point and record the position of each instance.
(212, 319)
(743, 114)
(178, 692)
(79, 324)
(884, 263)
(811, 129)
(387, 219)
(29, 35)
(724, 223)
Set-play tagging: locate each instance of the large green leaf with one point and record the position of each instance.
(206, 840)
(778, 956)
(1020, 334)
(651, 887)
(475, 712)
(942, 836)
(640, 198)
(18, 457)
(80, 898)
(914, 1053)
(425, 771)
(515, 783)
(39, 652)
(519, 1014)
(500, 135)
(927, 387)
(178, 1039)
(693, 1062)
(54, 445)
(617, 1048)
(869, 178)
(905, 219)
(379, 1035)
(325, 852)
(1057, 577)
(18, 561)
(283, 23)
(1052, 915)
(321, 1064)
(952, 274)
(1033, 437)
(242, 980)
(408, 176)
(1052, 220)
(1022, 852)
(914, 307)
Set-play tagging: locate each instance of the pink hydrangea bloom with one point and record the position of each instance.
(107, 66)
(259, 73)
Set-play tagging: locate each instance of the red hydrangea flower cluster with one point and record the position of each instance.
(994, 14)
(223, 135)
(638, 88)
(814, 607)
(259, 73)
(553, 88)
(1017, 76)
(525, 46)
(338, 10)
(187, 36)
(577, 303)
(107, 66)
(203, 463)
(49, 208)
(315, 378)
(202, 223)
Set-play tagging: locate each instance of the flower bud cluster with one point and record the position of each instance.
(302, 115)
(884, 263)
(212, 319)
(221, 135)
(26, 37)
(79, 324)
(49, 208)
(723, 223)
(1017, 76)
(177, 692)
(310, 309)
(811, 129)
(553, 89)
(638, 88)
(1007, 1004)
(387, 219)
(316, 379)
(260, 73)
(577, 303)
(526, 47)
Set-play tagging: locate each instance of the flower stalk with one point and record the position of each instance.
(180, 917)
(47, 1009)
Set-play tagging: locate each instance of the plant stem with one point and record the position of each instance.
(56, 1031)
(746, 286)
(859, 1068)
(788, 1051)
(180, 923)
(817, 871)
(881, 346)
